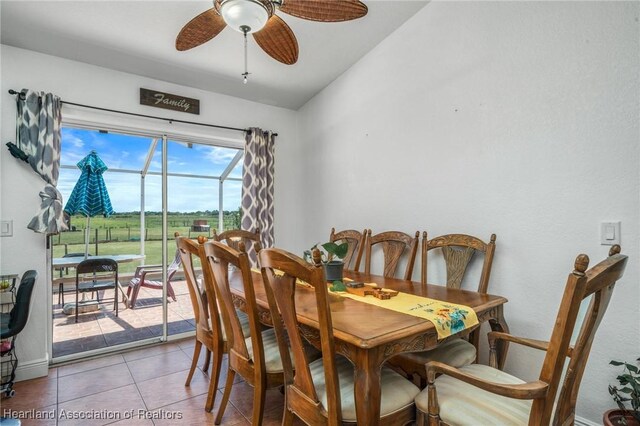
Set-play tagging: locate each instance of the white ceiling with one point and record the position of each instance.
(139, 36)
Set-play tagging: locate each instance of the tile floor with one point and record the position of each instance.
(102, 328)
(146, 382)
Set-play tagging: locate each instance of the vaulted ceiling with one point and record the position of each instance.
(139, 37)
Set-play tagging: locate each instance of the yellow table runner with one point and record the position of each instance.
(448, 318)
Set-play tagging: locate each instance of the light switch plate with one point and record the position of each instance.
(6, 228)
(609, 233)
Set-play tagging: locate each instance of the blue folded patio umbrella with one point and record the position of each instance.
(89, 196)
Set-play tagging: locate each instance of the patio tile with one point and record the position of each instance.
(193, 413)
(93, 381)
(116, 404)
(91, 364)
(33, 394)
(170, 389)
(159, 365)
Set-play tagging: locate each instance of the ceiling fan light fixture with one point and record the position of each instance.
(243, 14)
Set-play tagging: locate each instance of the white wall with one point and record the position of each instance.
(86, 84)
(507, 117)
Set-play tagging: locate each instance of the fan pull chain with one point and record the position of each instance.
(245, 30)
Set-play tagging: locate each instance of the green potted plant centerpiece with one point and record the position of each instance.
(332, 255)
(627, 392)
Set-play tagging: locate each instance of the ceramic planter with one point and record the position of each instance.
(613, 418)
(333, 270)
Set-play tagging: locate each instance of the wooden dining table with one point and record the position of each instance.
(369, 335)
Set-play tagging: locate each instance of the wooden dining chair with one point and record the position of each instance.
(394, 244)
(250, 239)
(480, 394)
(355, 240)
(320, 392)
(256, 357)
(209, 329)
(457, 251)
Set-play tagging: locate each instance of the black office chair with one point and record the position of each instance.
(102, 274)
(13, 322)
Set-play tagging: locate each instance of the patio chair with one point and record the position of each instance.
(95, 275)
(66, 271)
(140, 279)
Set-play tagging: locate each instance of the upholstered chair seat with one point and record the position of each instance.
(456, 352)
(465, 404)
(272, 359)
(397, 392)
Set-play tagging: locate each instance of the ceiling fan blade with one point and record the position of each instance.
(200, 29)
(277, 39)
(325, 10)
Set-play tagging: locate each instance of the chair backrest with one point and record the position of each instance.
(355, 240)
(20, 312)
(458, 250)
(280, 289)
(100, 269)
(203, 298)
(233, 237)
(216, 258)
(598, 283)
(394, 244)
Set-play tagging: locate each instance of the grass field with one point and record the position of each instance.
(120, 234)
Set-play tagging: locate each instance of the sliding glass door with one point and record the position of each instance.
(157, 186)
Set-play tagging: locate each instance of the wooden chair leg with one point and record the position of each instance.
(231, 374)
(214, 377)
(258, 402)
(288, 417)
(194, 361)
(207, 361)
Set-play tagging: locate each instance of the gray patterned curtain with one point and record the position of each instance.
(38, 143)
(257, 184)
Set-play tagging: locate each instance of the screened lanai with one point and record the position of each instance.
(201, 193)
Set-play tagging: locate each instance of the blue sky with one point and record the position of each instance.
(129, 152)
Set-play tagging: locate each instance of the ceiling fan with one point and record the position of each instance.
(258, 17)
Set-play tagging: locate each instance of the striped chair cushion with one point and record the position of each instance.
(456, 353)
(464, 404)
(272, 359)
(397, 392)
(244, 323)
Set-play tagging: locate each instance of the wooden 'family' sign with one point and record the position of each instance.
(169, 101)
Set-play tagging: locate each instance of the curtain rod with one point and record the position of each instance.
(170, 120)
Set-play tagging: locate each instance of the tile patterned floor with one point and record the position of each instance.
(146, 382)
(102, 328)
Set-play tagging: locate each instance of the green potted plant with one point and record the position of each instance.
(628, 391)
(332, 255)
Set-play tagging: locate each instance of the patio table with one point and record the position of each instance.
(71, 262)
